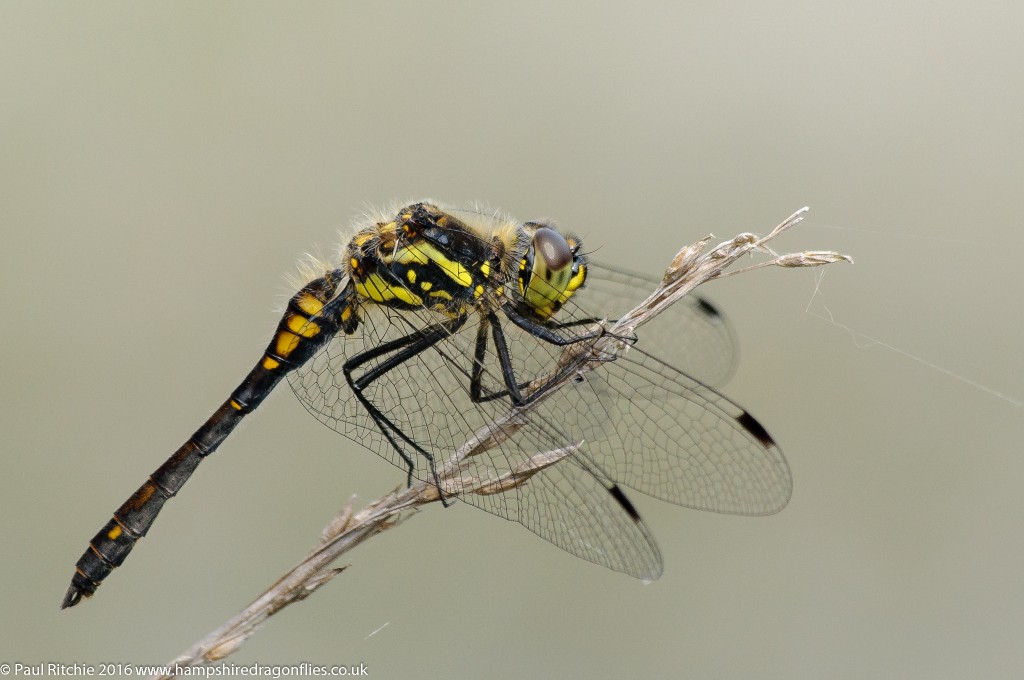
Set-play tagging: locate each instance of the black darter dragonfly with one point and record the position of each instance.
(440, 321)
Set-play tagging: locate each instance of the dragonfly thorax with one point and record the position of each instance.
(424, 259)
(455, 261)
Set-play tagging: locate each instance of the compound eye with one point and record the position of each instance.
(552, 251)
(550, 278)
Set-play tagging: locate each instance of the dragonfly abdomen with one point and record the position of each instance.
(313, 317)
(109, 548)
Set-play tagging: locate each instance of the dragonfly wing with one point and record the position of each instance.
(693, 334)
(571, 504)
(574, 506)
(659, 431)
(415, 397)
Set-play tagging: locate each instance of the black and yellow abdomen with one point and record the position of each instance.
(314, 315)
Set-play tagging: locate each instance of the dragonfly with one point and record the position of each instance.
(437, 322)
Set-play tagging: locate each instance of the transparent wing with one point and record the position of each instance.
(675, 438)
(427, 398)
(644, 423)
(651, 427)
(572, 504)
(693, 335)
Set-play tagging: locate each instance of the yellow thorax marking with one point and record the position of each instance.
(378, 290)
(423, 253)
(362, 238)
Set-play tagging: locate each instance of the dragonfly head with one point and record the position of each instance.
(551, 270)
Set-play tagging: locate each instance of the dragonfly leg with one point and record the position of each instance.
(407, 347)
(513, 388)
(548, 331)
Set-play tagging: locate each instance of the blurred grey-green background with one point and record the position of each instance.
(163, 165)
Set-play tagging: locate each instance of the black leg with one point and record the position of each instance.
(479, 353)
(547, 332)
(513, 389)
(505, 361)
(409, 346)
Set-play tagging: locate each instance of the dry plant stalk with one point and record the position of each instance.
(690, 268)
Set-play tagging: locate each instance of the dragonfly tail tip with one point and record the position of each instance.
(71, 598)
